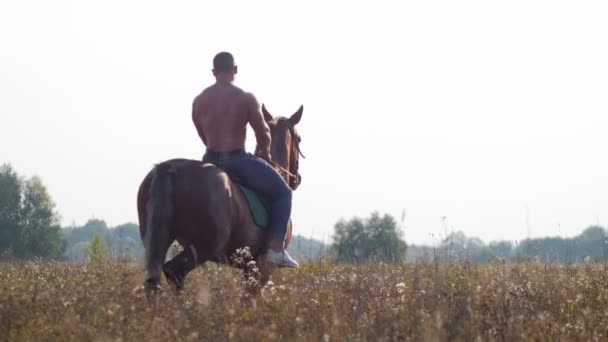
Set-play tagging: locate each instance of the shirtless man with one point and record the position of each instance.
(221, 114)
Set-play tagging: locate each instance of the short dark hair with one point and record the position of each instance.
(223, 62)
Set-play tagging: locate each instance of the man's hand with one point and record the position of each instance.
(264, 155)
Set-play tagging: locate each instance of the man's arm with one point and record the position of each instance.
(195, 120)
(260, 128)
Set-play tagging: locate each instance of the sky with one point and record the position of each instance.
(492, 115)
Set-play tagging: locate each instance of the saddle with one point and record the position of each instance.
(257, 205)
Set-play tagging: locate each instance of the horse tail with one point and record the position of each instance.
(159, 210)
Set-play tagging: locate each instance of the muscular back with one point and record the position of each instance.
(220, 116)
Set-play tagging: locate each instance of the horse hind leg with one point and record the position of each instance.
(177, 269)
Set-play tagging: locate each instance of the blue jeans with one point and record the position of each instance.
(256, 174)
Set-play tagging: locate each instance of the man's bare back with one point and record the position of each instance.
(221, 113)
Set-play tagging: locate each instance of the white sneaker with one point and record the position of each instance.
(281, 258)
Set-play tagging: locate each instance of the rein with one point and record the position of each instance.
(293, 133)
(282, 169)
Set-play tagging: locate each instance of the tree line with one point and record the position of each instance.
(589, 245)
(29, 228)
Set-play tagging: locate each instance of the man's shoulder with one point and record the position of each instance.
(241, 92)
(248, 96)
(202, 94)
(206, 91)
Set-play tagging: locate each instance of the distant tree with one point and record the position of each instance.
(477, 250)
(307, 248)
(591, 242)
(501, 249)
(29, 224)
(126, 240)
(122, 241)
(10, 205)
(127, 230)
(376, 237)
(86, 232)
(457, 246)
(97, 251)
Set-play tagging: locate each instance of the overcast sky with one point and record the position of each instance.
(479, 111)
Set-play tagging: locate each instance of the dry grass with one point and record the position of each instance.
(318, 302)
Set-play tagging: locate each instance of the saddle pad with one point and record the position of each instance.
(256, 206)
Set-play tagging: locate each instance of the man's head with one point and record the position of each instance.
(223, 65)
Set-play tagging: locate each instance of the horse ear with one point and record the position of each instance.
(267, 116)
(297, 116)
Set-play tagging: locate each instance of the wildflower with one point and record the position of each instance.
(246, 252)
(251, 281)
(269, 289)
(400, 288)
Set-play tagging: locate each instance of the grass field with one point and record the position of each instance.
(317, 302)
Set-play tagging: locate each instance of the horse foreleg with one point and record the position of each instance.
(177, 269)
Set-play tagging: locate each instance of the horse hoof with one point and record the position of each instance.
(152, 286)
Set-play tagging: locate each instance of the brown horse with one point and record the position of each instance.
(200, 207)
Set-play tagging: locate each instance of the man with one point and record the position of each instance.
(221, 114)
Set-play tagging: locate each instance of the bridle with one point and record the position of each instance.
(294, 177)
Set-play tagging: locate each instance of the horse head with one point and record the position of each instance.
(285, 144)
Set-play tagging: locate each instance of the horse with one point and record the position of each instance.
(202, 208)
